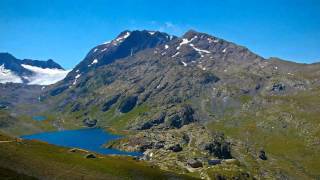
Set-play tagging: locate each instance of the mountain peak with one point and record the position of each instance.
(192, 33)
(7, 56)
(127, 43)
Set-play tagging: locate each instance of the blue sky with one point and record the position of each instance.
(65, 30)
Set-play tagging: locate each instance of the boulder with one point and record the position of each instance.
(194, 163)
(145, 146)
(262, 155)
(213, 162)
(90, 123)
(220, 177)
(176, 148)
(158, 145)
(278, 87)
(128, 104)
(73, 150)
(90, 156)
(185, 139)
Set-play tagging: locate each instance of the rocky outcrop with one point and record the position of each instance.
(128, 104)
(159, 119)
(145, 146)
(219, 148)
(107, 105)
(183, 117)
(159, 145)
(58, 90)
(207, 78)
(76, 107)
(278, 87)
(90, 156)
(185, 139)
(175, 148)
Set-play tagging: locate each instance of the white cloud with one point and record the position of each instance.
(45, 76)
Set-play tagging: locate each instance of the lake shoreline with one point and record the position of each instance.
(89, 139)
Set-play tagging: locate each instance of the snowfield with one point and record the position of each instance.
(45, 76)
(7, 75)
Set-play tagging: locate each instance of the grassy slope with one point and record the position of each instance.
(7, 174)
(51, 162)
(22, 125)
(287, 129)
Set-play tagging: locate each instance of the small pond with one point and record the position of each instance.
(39, 118)
(88, 139)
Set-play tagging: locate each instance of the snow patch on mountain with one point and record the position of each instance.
(76, 78)
(200, 51)
(104, 49)
(44, 76)
(176, 54)
(7, 76)
(95, 61)
(121, 38)
(107, 42)
(186, 41)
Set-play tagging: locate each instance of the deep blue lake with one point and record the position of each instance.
(88, 139)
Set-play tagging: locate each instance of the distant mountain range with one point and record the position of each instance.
(28, 71)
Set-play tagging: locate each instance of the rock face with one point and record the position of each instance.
(128, 104)
(183, 117)
(219, 148)
(154, 122)
(127, 43)
(76, 108)
(107, 105)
